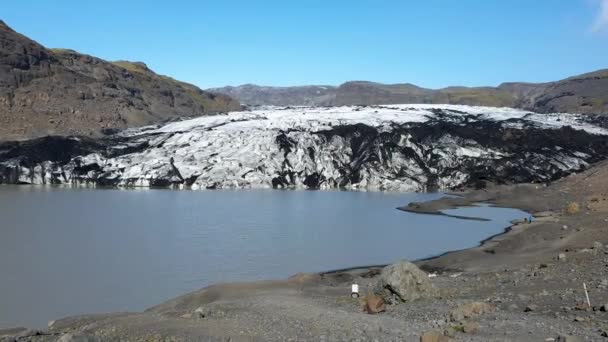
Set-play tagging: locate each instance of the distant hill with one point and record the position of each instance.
(254, 95)
(587, 93)
(60, 92)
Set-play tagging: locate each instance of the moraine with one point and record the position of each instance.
(394, 148)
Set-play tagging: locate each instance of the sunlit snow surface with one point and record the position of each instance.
(242, 150)
(319, 118)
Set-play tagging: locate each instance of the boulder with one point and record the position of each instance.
(200, 312)
(374, 304)
(433, 336)
(470, 310)
(403, 282)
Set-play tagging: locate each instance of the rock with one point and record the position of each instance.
(403, 282)
(470, 310)
(433, 336)
(561, 257)
(470, 327)
(564, 227)
(598, 245)
(374, 304)
(572, 208)
(530, 308)
(579, 319)
(568, 338)
(186, 315)
(604, 308)
(76, 337)
(200, 312)
(582, 306)
(513, 307)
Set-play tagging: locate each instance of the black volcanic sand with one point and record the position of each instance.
(537, 297)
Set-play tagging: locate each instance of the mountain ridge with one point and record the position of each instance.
(63, 92)
(585, 94)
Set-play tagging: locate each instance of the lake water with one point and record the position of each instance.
(73, 251)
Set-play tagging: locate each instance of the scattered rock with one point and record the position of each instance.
(374, 304)
(470, 310)
(567, 338)
(76, 337)
(573, 208)
(531, 307)
(470, 327)
(598, 245)
(604, 308)
(582, 306)
(200, 312)
(579, 319)
(403, 282)
(564, 227)
(561, 257)
(433, 336)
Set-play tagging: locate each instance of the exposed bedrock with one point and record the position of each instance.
(446, 149)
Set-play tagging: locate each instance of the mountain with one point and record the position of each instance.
(63, 92)
(395, 147)
(587, 94)
(254, 95)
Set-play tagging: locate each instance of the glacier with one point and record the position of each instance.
(388, 148)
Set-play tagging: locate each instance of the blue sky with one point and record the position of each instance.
(431, 43)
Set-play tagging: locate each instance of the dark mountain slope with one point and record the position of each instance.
(316, 95)
(60, 92)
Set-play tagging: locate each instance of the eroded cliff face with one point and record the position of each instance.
(397, 148)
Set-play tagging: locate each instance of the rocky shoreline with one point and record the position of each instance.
(523, 285)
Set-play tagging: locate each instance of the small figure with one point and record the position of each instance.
(354, 291)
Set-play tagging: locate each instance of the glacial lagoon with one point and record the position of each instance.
(66, 251)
